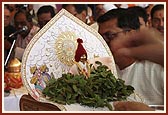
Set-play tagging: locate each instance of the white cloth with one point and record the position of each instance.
(78, 107)
(148, 80)
(11, 102)
(108, 7)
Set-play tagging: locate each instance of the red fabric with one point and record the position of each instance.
(80, 50)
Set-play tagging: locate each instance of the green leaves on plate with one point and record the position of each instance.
(97, 91)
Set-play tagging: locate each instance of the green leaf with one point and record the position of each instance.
(75, 88)
(97, 91)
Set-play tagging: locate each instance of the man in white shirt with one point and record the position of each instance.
(146, 77)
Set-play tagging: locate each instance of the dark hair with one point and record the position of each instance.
(21, 6)
(46, 9)
(111, 14)
(141, 12)
(129, 20)
(28, 16)
(156, 8)
(78, 7)
(65, 5)
(126, 20)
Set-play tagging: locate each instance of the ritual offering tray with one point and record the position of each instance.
(66, 62)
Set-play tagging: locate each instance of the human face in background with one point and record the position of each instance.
(70, 8)
(20, 21)
(158, 20)
(6, 17)
(44, 18)
(99, 11)
(82, 16)
(11, 7)
(111, 34)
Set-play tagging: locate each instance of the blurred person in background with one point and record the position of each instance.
(99, 11)
(12, 8)
(45, 14)
(78, 10)
(31, 11)
(37, 6)
(148, 11)
(157, 17)
(23, 19)
(8, 29)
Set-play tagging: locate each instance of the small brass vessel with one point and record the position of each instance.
(13, 74)
(14, 66)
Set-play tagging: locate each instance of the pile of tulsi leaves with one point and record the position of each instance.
(97, 91)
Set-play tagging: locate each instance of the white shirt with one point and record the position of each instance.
(148, 80)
